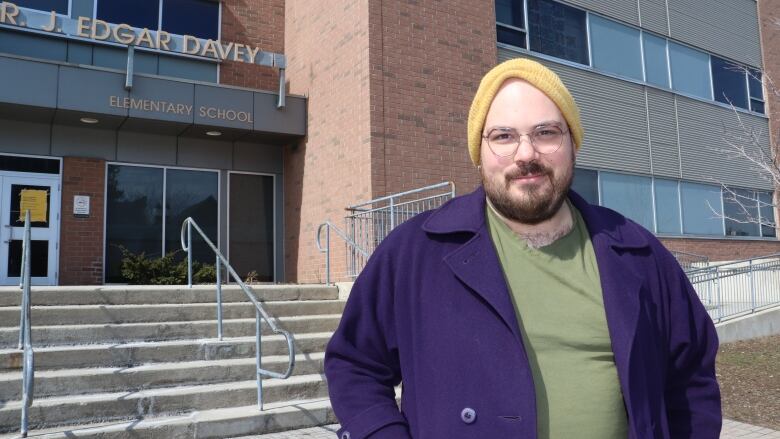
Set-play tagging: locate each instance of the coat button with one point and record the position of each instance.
(468, 415)
(345, 435)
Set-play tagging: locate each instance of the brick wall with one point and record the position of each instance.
(81, 239)
(427, 58)
(769, 17)
(327, 45)
(256, 23)
(723, 249)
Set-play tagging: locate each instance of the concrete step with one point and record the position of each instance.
(127, 332)
(206, 424)
(50, 383)
(102, 407)
(112, 314)
(142, 294)
(136, 353)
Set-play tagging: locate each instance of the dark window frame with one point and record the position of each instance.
(161, 18)
(69, 7)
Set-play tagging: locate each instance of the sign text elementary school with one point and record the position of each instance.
(99, 30)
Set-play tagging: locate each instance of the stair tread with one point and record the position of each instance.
(168, 305)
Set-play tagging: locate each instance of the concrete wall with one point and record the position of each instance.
(723, 249)
(761, 324)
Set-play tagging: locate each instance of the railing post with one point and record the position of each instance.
(189, 254)
(258, 359)
(720, 303)
(218, 266)
(392, 215)
(25, 330)
(327, 254)
(752, 287)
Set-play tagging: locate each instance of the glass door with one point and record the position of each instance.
(41, 195)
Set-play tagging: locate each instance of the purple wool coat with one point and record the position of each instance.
(432, 308)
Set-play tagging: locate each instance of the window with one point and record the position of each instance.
(756, 91)
(728, 82)
(667, 206)
(136, 13)
(690, 70)
(586, 184)
(767, 211)
(656, 62)
(740, 210)
(558, 30)
(135, 212)
(252, 225)
(631, 195)
(60, 6)
(701, 209)
(510, 22)
(199, 18)
(615, 48)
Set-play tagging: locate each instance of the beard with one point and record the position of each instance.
(538, 202)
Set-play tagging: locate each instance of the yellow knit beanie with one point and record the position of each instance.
(537, 75)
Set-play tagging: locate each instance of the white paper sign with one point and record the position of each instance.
(81, 205)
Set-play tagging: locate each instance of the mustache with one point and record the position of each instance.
(530, 168)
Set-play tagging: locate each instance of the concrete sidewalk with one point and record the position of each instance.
(731, 430)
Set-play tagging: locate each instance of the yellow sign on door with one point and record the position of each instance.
(36, 201)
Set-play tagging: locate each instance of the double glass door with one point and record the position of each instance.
(41, 193)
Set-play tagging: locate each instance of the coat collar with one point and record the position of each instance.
(467, 214)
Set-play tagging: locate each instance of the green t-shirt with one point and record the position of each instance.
(558, 300)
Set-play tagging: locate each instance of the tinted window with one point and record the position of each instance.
(61, 6)
(656, 63)
(630, 195)
(586, 185)
(690, 70)
(510, 36)
(134, 209)
(615, 48)
(198, 18)
(252, 225)
(741, 212)
(191, 194)
(510, 12)
(136, 13)
(558, 30)
(767, 214)
(29, 164)
(728, 82)
(667, 207)
(754, 81)
(701, 209)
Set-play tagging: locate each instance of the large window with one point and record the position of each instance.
(586, 184)
(60, 6)
(630, 195)
(701, 209)
(199, 18)
(740, 212)
(136, 213)
(510, 22)
(690, 70)
(615, 48)
(728, 82)
(756, 91)
(558, 30)
(767, 211)
(667, 207)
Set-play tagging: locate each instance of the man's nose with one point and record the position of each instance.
(525, 149)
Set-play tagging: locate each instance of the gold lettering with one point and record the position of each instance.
(147, 105)
(242, 116)
(253, 54)
(52, 22)
(224, 51)
(113, 101)
(180, 108)
(211, 48)
(123, 33)
(230, 115)
(145, 37)
(138, 104)
(8, 13)
(82, 27)
(202, 111)
(211, 113)
(237, 55)
(190, 39)
(100, 30)
(189, 109)
(163, 39)
(126, 103)
(154, 105)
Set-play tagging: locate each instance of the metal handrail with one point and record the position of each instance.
(25, 331)
(402, 194)
(737, 262)
(260, 312)
(328, 226)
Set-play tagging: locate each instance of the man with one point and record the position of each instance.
(519, 310)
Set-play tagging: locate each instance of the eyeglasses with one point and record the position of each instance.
(504, 141)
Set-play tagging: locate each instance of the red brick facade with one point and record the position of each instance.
(769, 13)
(257, 23)
(81, 239)
(723, 249)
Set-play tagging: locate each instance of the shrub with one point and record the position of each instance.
(138, 269)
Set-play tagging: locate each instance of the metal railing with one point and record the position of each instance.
(367, 224)
(690, 261)
(260, 313)
(359, 255)
(733, 289)
(25, 330)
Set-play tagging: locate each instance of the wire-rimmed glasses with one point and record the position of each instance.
(504, 141)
